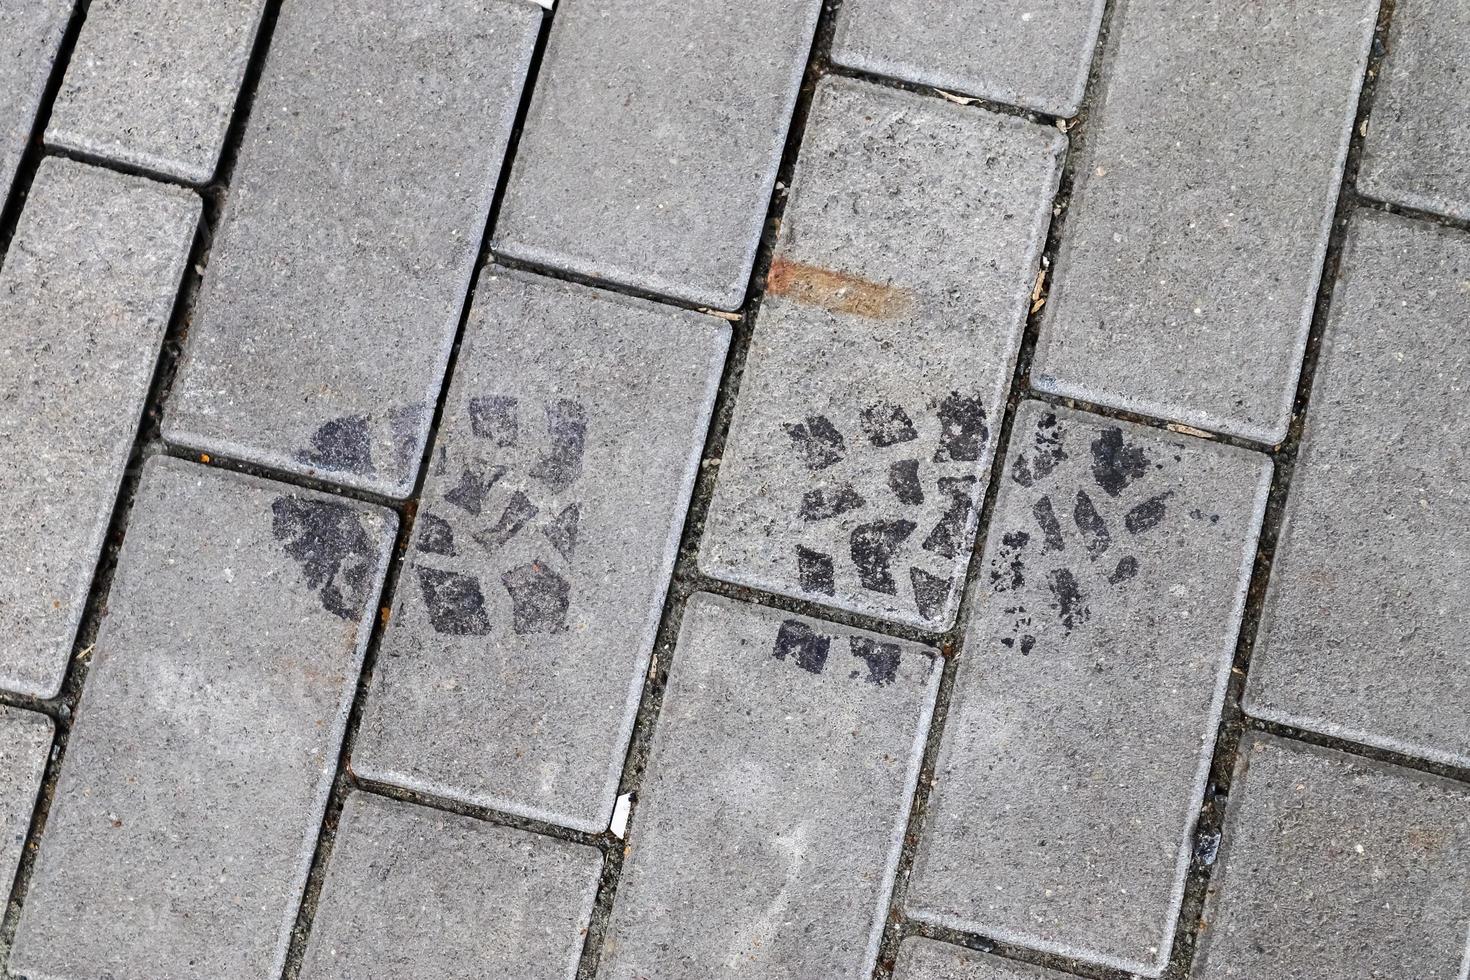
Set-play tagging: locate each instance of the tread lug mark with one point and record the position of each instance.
(469, 494)
(1046, 519)
(562, 531)
(1127, 568)
(435, 536)
(343, 445)
(931, 592)
(497, 418)
(887, 424)
(882, 659)
(1116, 464)
(804, 645)
(963, 433)
(821, 504)
(1007, 570)
(1147, 515)
(567, 424)
(518, 510)
(817, 441)
(903, 480)
(873, 546)
(1094, 529)
(815, 571)
(539, 598)
(455, 603)
(335, 552)
(1071, 602)
(947, 536)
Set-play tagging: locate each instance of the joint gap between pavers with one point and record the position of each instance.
(899, 924)
(606, 285)
(1363, 750)
(685, 578)
(1063, 123)
(1234, 722)
(116, 166)
(1150, 421)
(30, 159)
(1367, 202)
(345, 781)
(501, 818)
(236, 465)
(1020, 954)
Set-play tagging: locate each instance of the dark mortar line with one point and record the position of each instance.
(104, 162)
(1038, 116)
(62, 708)
(274, 474)
(1233, 722)
(1361, 750)
(1020, 954)
(606, 285)
(1366, 202)
(485, 814)
(34, 149)
(1150, 421)
(685, 572)
(899, 925)
(345, 780)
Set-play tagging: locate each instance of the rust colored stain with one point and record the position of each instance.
(837, 291)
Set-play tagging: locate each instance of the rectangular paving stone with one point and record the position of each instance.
(927, 959)
(643, 161)
(1368, 611)
(1031, 53)
(352, 228)
(873, 391)
(30, 33)
(1193, 247)
(1089, 689)
(414, 892)
(512, 667)
(1418, 148)
(153, 85)
(777, 792)
(208, 733)
(86, 292)
(25, 743)
(1337, 867)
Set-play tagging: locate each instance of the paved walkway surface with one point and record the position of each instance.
(672, 489)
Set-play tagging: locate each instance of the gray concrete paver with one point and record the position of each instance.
(30, 34)
(928, 959)
(25, 745)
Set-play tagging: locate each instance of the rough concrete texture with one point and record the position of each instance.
(25, 743)
(1366, 622)
(927, 959)
(85, 296)
(1031, 53)
(349, 236)
(872, 394)
(1338, 867)
(1089, 689)
(1204, 193)
(515, 659)
(652, 142)
(414, 892)
(1418, 148)
(778, 787)
(199, 763)
(30, 33)
(153, 85)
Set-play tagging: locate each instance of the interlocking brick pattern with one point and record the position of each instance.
(803, 489)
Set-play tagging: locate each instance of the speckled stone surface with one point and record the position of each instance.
(1188, 270)
(153, 85)
(1368, 614)
(651, 146)
(777, 791)
(1031, 53)
(871, 398)
(542, 548)
(1418, 147)
(207, 736)
(1089, 689)
(25, 744)
(351, 229)
(85, 296)
(927, 959)
(1336, 867)
(30, 33)
(414, 892)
